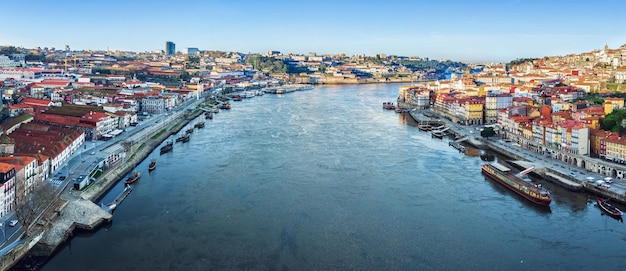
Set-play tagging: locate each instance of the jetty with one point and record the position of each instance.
(109, 207)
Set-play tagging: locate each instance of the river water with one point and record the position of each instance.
(326, 179)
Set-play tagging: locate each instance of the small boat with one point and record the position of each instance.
(248, 94)
(208, 115)
(183, 138)
(389, 106)
(424, 127)
(189, 131)
(237, 98)
(225, 105)
(608, 208)
(200, 124)
(132, 178)
(438, 134)
(168, 147)
(152, 165)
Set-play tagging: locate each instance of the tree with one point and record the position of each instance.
(613, 121)
(33, 205)
(487, 132)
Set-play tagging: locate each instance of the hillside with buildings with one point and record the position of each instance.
(563, 106)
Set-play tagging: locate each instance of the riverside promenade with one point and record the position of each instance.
(81, 211)
(77, 209)
(556, 171)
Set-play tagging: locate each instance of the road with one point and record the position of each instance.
(582, 175)
(89, 153)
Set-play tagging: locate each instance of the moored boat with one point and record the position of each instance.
(168, 147)
(608, 208)
(237, 98)
(389, 106)
(200, 124)
(225, 105)
(424, 127)
(183, 138)
(152, 165)
(533, 192)
(438, 134)
(132, 178)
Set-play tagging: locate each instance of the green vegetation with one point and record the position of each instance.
(613, 122)
(136, 151)
(518, 61)
(487, 132)
(612, 86)
(8, 50)
(267, 64)
(158, 134)
(593, 99)
(374, 60)
(431, 65)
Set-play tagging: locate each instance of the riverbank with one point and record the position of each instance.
(548, 169)
(78, 210)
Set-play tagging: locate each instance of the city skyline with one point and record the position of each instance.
(456, 30)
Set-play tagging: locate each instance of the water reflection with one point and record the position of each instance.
(503, 190)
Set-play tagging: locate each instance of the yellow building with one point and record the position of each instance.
(611, 104)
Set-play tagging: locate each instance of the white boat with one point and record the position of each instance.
(248, 94)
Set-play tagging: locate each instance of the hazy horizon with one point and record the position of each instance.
(455, 30)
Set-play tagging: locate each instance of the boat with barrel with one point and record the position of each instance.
(133, 178)
(518, 183)
(168, 147)
(608, 208)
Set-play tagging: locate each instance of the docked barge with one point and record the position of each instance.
(533, 192)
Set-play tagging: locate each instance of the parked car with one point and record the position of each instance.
(13, 222)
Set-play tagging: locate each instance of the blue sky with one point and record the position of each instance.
(488, 30)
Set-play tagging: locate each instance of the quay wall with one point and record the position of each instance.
(563, 179)
(57, 232)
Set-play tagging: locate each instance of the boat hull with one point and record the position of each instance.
(609, 209)
(517, 185)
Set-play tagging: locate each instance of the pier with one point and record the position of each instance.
(547, 168)
(109, 207)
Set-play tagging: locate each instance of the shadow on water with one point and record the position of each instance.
(503, 190)
(604, 214)
(31, 262)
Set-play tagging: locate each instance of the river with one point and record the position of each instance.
(325, 179)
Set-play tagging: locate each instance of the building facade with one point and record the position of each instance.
(170, 48)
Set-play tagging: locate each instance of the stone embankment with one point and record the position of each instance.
(79, 210)
(545, 169)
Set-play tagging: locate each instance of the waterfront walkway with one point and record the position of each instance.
(78, 213)
(564, 174)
